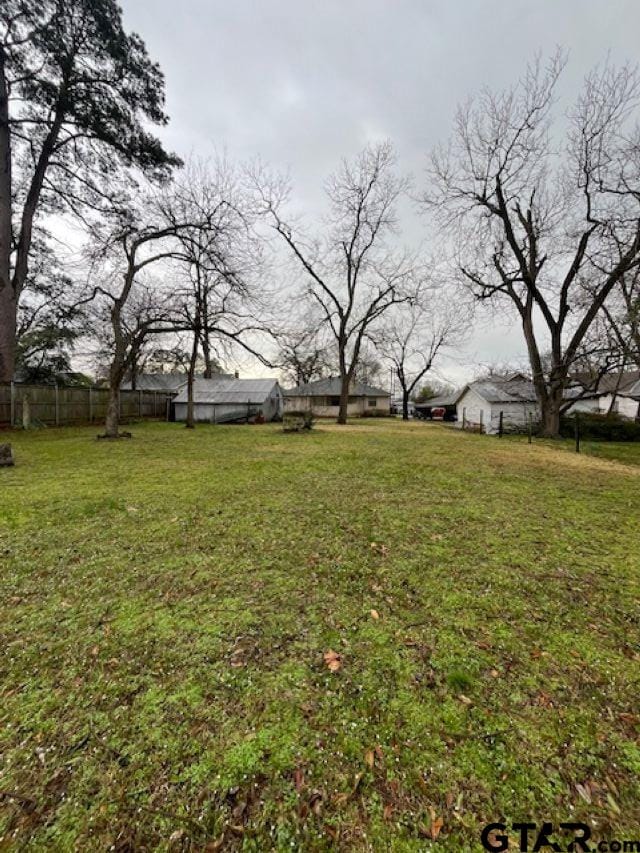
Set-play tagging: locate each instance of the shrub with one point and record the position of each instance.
(296, 421)
(376, 413)
(598, 427)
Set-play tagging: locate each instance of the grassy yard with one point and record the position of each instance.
(166, 604)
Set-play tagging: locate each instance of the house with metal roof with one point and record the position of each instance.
(617, 392)
(323, 398)
(167, 383)
(225, 400)
(479, 404)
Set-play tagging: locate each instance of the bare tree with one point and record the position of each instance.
(217, 302)
(536, 218)
(416, 336)
(302, 350)
(352, 273)
(622, 315)
(131, 302)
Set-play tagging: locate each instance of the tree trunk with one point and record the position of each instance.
(191, 423)
(112, 420)
(206, 354)
(8, 302)
(405, 405)
(344, 398)
(550, 411)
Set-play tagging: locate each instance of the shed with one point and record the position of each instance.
(479, 404)
(323, 398)
(227, 400)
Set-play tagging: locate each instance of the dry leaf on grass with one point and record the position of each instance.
(298, 779)
(370, 758)
(333, 660)
(374, 614)
(436, 825)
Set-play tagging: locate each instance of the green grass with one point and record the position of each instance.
(166, 603)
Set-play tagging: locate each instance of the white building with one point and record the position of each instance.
(616, 392)
(479, 404)
(225, 400)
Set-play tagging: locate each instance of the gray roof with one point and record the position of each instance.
(331, 387)
(496, 390)
(157, 382)
(625, 385)
(229, 391)
(432, 402)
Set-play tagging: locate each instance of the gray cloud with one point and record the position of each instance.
(303, 83)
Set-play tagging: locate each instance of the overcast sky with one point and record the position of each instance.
(303, 83)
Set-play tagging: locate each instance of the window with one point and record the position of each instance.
(372, 403)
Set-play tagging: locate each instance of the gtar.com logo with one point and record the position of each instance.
(573, 837)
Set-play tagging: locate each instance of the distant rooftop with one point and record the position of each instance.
(331, 387)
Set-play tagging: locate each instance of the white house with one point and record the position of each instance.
(323, 398)
(479, 404)
(223, 400)
(614, 392)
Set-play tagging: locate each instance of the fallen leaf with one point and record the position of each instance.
(298, 779)
(370, 758)
(436, 825)
(584, 792)
(375, 614)
(612, 803)
(95, 651)
(465, 699)
(333, 660)
(379, 752)
(387, 812)
(494, 673)
(315, 802)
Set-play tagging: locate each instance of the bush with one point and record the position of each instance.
(296, 421)
(376, 413)
(597, 427)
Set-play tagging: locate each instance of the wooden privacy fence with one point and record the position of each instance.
(63, 406)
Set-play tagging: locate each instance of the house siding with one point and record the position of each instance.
(476, 410)
(320, 409)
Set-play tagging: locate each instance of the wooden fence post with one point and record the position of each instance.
(90, 406)
(500, 425)
(530, 426)
(140, 403)
(481, 421)
(12, 404)
(464, 418)
(57, 406)
(577, 432)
